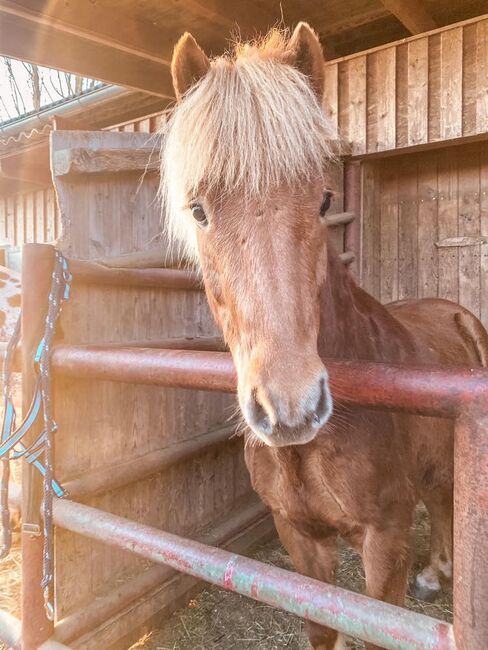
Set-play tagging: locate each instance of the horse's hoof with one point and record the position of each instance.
(424, 591)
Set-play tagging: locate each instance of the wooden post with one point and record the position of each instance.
(37, 266)
(352, 203)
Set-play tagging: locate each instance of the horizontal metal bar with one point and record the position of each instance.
(116, 476)
(205, 343)
(85, 272)
(339, 219)
(426, 390)
(390, 627)
(102, 608)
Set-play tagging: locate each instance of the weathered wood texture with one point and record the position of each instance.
(110, 214)
(423, 90)
(28, 218)
(412, 206)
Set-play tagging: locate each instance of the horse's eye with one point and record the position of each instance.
(325, 205)
(199, 214)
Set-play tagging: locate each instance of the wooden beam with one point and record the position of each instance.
(32, 36)
(412, 14)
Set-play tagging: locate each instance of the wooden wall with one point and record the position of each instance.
(412, 202)
(29, 217)
(422, 90)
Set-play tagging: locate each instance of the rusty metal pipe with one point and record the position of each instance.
(85, 272)
(89, 618)
(437, 391)
(390, 627)
(470, 582)
(118, 475)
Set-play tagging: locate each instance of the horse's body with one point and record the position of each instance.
(364, 474)
(243, 175)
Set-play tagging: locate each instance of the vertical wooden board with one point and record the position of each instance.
(382, 102)
(434, 92)
(30, 218)
(11, 222)
(418, 91)
(40, 217)
(389, 231)
(428, 271)
(451, 72)
(50, 215)
(469, 225)
(448, 258)
(330, 102)
(469, 79)
(482, 77)
(3, 218)
(402, 95)
(407, 227)
(19, 220)
(343, 100)
(370, 277)
(357, 103)
(484, 231)
(145, 125)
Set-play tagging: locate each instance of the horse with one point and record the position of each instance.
(245, 161)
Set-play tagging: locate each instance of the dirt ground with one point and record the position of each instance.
(220, 620)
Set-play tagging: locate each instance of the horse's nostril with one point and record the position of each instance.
(322, 410)
(258, 415)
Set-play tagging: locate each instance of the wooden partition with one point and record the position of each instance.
(425, 226)
(108, 207)
(420, 91)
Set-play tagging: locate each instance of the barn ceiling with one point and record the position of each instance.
(129, 42)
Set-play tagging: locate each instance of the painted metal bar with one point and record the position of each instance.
(390, 627)
(85, 272)
(426, 390)
(37, 267)
(101, 609)
(470, 582)
(121, 474)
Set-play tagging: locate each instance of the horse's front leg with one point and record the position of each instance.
(315, 559)
(386, 560)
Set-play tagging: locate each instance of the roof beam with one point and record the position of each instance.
(413, 15)
(125, 52)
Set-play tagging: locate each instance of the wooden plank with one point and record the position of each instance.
(29, 218)
(19, 220)
(86, 161)
(482, 76)
(448, 258)
(389, 231)
(50, 216)
(451, 79)
(469, 79)
(3, 218)
(402, 96)
(484, 231)
(370, 272)
(11, 222)
(357, 104)
(330, 102)
(413, 15)
(407, 228)
(469, 225)
(418, 92)
(381, 100)
(23, 38)
(435, 99)
(40, 232)
(428, 271)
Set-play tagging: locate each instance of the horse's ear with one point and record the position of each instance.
(188, 65)
(307, 55)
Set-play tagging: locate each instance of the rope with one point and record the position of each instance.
(11, 445)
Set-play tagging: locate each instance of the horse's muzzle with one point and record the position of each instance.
(278, 423)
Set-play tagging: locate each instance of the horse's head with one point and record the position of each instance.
(243, 162)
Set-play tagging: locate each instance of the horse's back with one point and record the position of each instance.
(445, 331)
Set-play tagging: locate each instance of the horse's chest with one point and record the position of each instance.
(299, 492)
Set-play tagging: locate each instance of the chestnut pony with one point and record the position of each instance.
(245, 156)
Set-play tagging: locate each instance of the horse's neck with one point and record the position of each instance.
(353, 324)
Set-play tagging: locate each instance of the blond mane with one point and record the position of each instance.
(250, 124)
